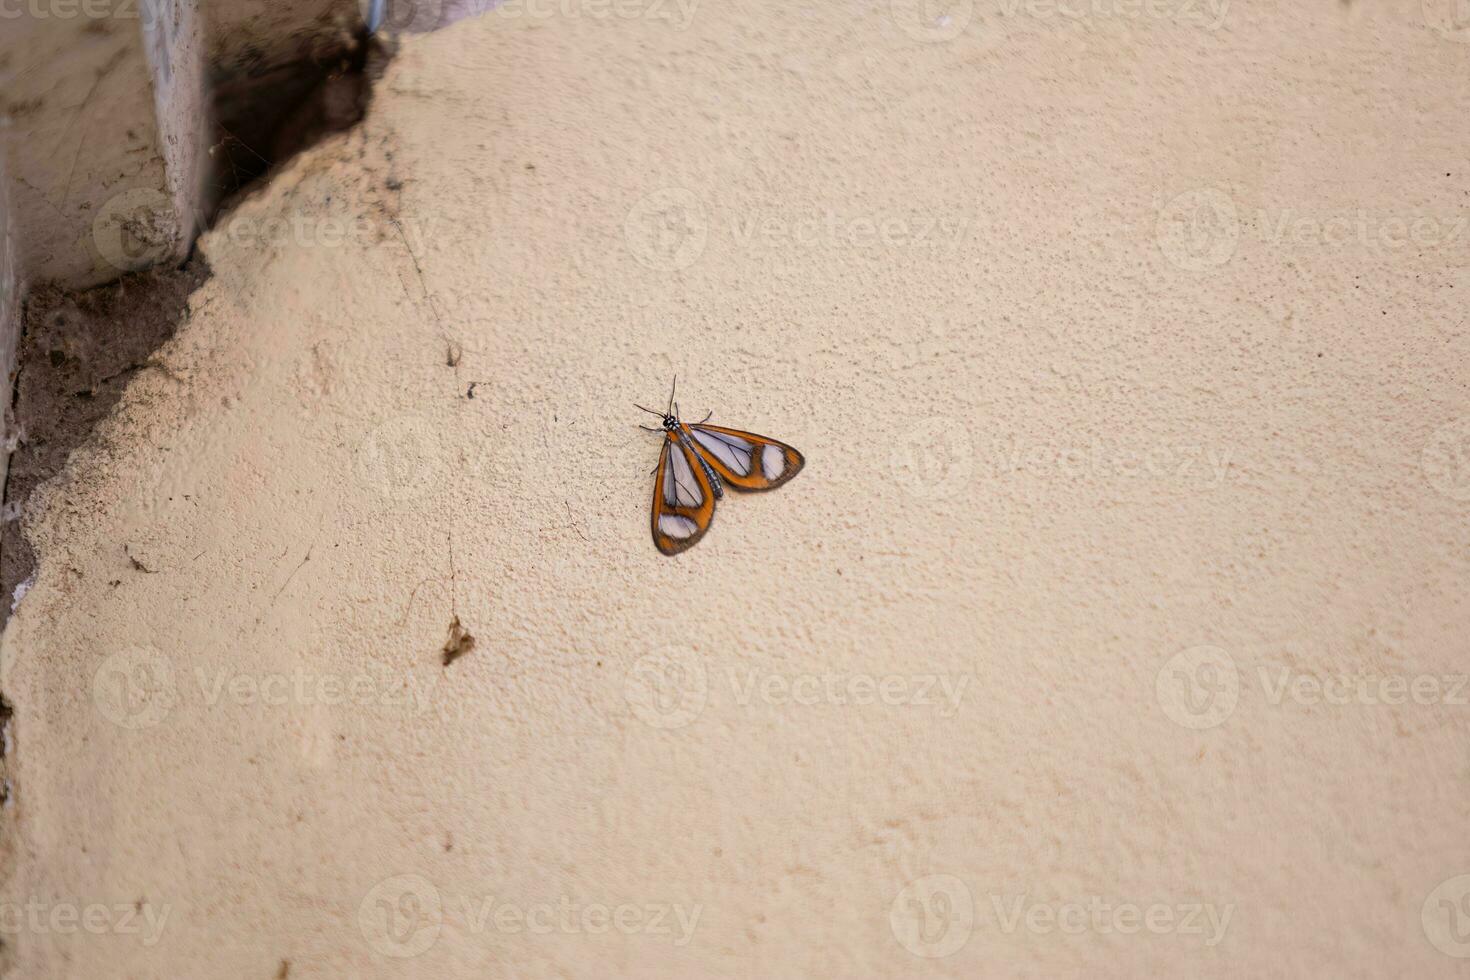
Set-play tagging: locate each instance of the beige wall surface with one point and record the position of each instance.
(1115, 627)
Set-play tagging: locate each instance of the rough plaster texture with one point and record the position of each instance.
(1081, 391)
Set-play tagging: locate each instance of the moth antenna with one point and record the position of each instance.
(648, 410)
(671, 394)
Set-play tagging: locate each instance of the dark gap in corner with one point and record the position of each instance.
(266, 114)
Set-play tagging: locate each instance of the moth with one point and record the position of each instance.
(697, 462)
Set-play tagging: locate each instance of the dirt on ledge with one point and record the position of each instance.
(78, 351)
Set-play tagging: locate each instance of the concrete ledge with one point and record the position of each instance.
(88, 164)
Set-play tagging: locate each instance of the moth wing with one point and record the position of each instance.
(683, 502)
(744, 460)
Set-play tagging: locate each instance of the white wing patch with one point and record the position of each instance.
(773, 462)
(680, 487)
(676, 526)
(733, 451)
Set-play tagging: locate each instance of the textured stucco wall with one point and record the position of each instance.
(1128, 353)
